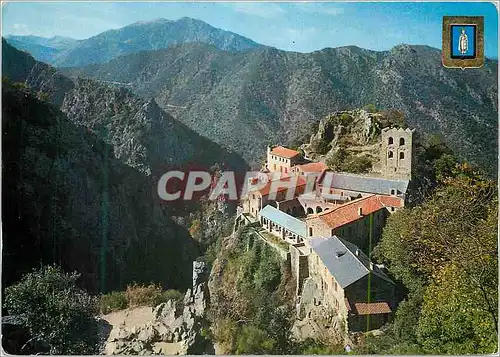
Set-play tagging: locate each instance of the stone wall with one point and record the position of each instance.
(291, 207)
(356, 232)
(379, 290)
(299, 265)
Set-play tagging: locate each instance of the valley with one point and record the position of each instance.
(390, 160)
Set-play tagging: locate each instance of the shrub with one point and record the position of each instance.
(357, 164)
(336, 160)
(252, 340)
(55, 310)
(345, 119)
(171, 294)
(321, 146)
(142, 295)
(117, 300)
(195, 230)
(312, 347)
(150, 295)
(370, 108)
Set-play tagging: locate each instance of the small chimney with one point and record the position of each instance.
(371, 266)
(339, 254)
(357, 252)
(360, 211)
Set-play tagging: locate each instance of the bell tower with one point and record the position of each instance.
(397, 153)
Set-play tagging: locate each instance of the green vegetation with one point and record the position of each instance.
(114, 301)
(50, 155)
(336, 160)
(150, 295)
(356, 164)
(343, 161)
(321, 146)
(55, 310)
(138, 295)
(392, 117)
(253, 312)
(445, 253)
(275, 240)
(312, 347)
(371, 108)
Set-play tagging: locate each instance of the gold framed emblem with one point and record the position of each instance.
(463, 41)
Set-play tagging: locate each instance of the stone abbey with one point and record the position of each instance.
(331, 227)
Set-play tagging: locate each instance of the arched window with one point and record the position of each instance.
(391, 140)
(318, 209)
(401, 156)
(401, 141)
(390, 154)
(310, 210)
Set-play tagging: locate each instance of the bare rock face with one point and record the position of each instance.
(314, 319)
(172, 330)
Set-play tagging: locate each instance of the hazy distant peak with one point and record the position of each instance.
(154, 21)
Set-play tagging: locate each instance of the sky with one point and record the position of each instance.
(299, 26)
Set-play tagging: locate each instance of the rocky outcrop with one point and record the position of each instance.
(175, 328)
(350, 140)
(315, 320)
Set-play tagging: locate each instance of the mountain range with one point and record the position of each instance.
(243, 95)
(244, 100)
(139, 36)
(81, 162)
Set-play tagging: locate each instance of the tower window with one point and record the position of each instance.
(391, 140)
(401, 156)
(390, 154)
(401, 141)
(310, 231)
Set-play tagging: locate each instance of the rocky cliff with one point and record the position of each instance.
(167, 328)
(70, 202)
(350, 141)
(81, 164)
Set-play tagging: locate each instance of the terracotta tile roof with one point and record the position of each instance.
(372, 308)
(392, 201)
(312, 167)
(267, 188)
(349, 212)
(284, 152)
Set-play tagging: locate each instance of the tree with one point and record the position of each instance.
(455, 318)
(446, 250)
(55, 310)
(336, 160)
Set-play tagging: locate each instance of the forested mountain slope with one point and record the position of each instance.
(244, 100)
(68, 201)
(81, 163)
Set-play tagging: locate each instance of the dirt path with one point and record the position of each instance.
(129, 317)
(135, 317)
